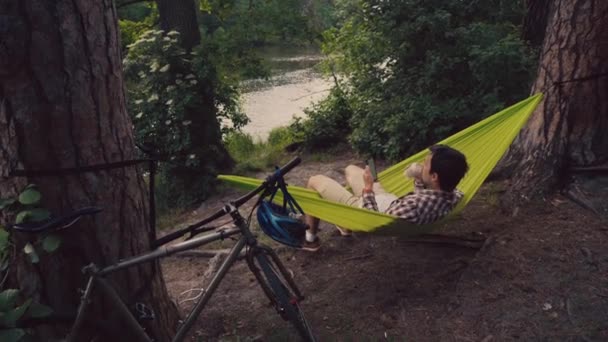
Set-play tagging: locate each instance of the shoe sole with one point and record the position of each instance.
(310, 249)
(344, 232)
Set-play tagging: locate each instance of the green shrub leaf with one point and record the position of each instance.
(39, 214)
(36, 215)
(3, 239)
(22, 216)
(51, 243)
(11, 335)
(5, 202)
(11, 317)
(7, 299)
(29, 197)
(38, 310)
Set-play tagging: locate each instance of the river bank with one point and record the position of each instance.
(295, 84)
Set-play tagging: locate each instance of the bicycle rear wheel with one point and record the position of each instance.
(280, 288)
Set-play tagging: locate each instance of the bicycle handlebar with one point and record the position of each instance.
(280, 172)
(269, 180)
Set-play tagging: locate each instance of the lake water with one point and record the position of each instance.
(295, 85)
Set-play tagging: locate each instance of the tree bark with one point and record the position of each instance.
(62, 105)
(180, 16)
(535, 21)
(568, 128)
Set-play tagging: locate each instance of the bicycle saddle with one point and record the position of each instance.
(55, 223)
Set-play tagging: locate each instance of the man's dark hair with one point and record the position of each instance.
(449, 164)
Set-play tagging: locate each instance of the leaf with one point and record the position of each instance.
(22, 216)
(38, 310)
(3, 239)
(7, 299)
(36, 215)
(51, 243)
(11, 335)
(29, 196)
(31, 252)
(39, 214)
(11, 317)
(5, 202)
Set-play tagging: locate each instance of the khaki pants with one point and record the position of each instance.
(331, 190)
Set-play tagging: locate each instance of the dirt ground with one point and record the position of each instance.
(541, 275)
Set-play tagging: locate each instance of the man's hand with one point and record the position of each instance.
(368, 180)
(414, 171)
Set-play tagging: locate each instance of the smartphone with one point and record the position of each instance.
(372, 167)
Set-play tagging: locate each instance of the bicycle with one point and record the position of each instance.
(271, 274)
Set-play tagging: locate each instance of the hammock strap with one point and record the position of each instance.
(289, 203)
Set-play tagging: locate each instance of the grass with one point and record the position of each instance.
(171, 218)
(256, 155)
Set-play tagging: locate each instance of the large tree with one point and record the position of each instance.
(189, 181)
(568, 129)
(62, 105)
(180, 16)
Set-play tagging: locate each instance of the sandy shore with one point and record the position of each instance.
(276, 106)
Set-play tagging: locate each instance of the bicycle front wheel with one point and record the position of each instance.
(280, 289)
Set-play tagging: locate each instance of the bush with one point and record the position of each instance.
(177, 101)
(253, 156)
(327, 124)
(418, 71)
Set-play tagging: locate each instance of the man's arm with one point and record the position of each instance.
(404, 208)
(369, 198)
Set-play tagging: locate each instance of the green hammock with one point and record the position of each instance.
(484, 144)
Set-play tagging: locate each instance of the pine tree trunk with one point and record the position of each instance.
(180, 16)
(62, 105)
(190, 183)
(568, 129)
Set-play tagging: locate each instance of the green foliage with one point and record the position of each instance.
(177, 100)
(13, 310)
(267, 22)
(418, 70)
(328, 123)
(26, 207)
(252, 156)
(134, 21)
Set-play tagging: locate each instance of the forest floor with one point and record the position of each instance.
(541, 275)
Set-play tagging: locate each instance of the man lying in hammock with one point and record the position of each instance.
(434, 196)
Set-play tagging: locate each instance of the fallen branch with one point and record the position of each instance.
(357, 257)
(475, 243)
(577, 196)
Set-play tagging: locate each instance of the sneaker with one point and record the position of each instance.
(344, 232)
(311, 246)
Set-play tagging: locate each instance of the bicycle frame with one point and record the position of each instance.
(96, 276)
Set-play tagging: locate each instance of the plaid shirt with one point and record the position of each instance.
(421, 206)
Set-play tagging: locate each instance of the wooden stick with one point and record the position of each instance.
(448, 240)
(357, 257)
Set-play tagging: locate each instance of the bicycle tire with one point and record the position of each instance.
(276, 284)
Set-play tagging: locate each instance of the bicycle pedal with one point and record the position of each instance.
(143, 312)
